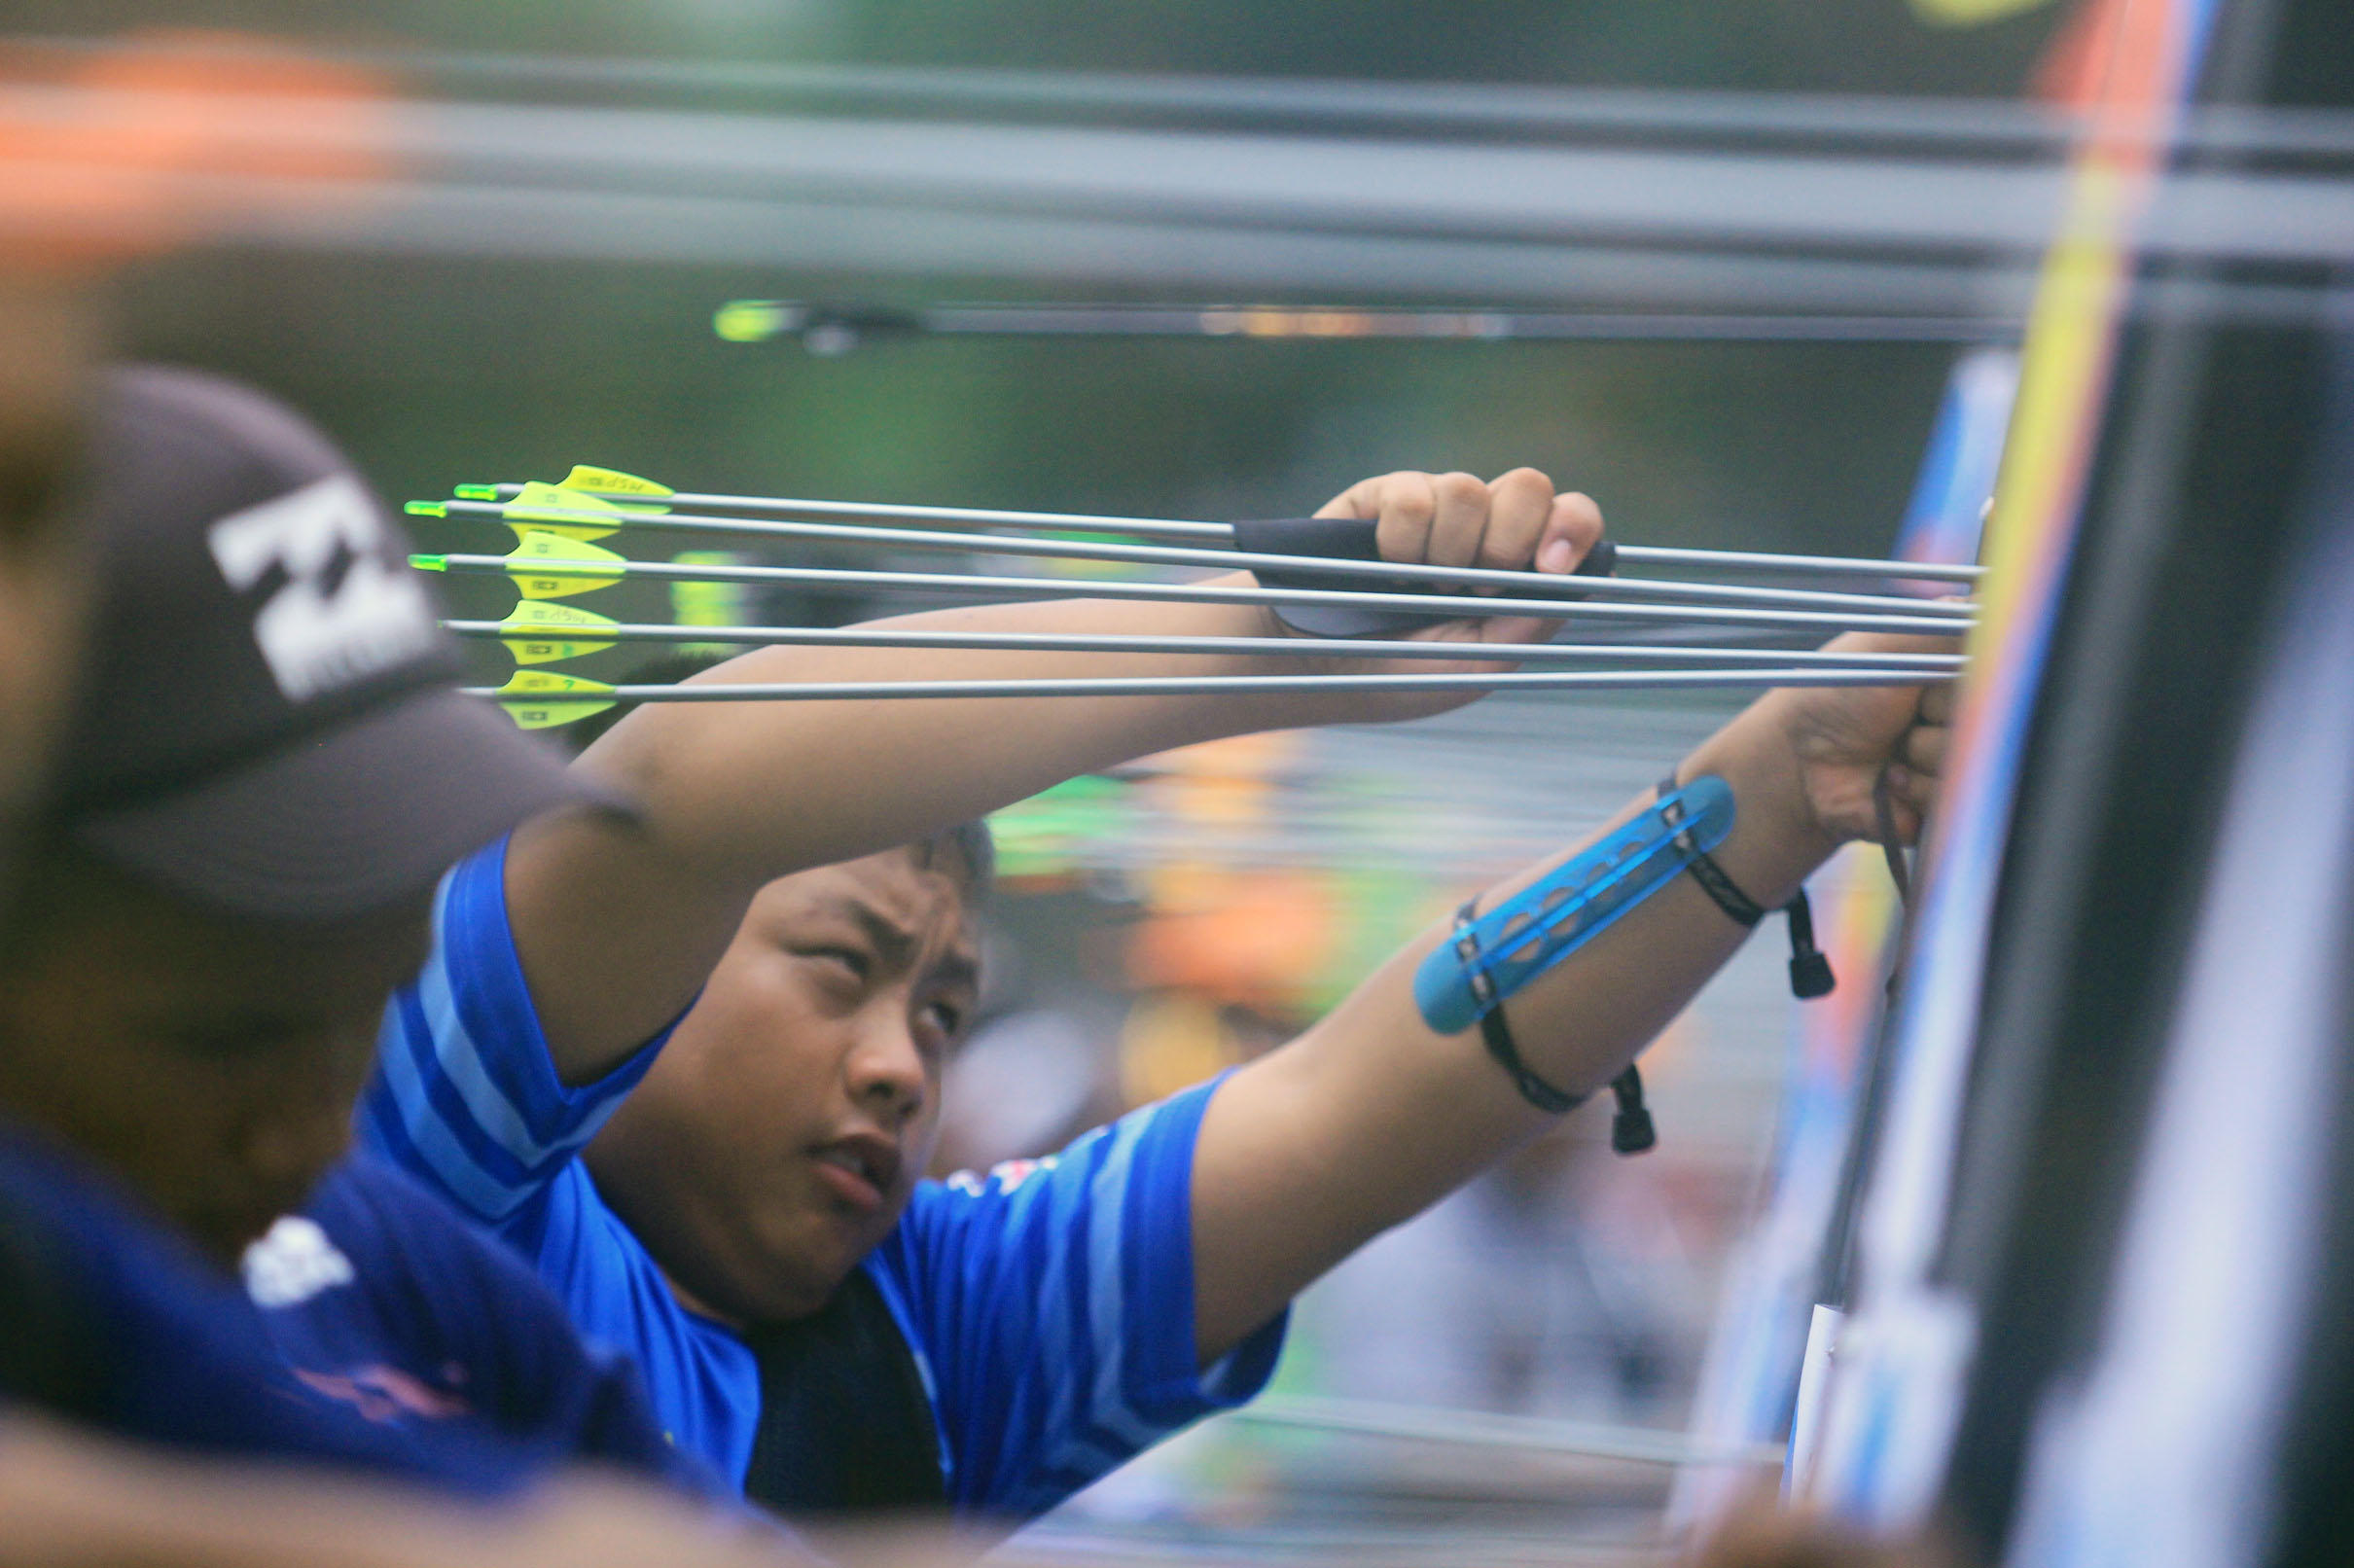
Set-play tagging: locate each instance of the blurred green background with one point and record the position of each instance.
(433, 369)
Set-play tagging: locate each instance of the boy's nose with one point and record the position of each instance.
(887, 1071)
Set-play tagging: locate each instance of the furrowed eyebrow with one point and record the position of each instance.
(896, 946)
(893, 943)
(957, 969)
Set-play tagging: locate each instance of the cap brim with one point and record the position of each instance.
(349, 820)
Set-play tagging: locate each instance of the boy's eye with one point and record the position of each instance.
(947, 1016)
(848, 958)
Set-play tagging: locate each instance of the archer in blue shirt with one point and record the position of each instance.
(737, 1200)
(1034, 1327)
(1002, 1340)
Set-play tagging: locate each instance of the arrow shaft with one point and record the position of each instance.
(1272, 647)
(1222, 532)
(1231, 685)
(1438, 606)
(1547, 584)
(1328, 323)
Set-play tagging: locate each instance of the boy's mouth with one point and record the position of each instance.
(858, 1168)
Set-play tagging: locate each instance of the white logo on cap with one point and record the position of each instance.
(315, 639)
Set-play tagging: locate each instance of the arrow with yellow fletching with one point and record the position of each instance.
(543, 699)
(550, 566)
(545, 565)
(557, 508)
(648, 498)
(548, 507)
(538, 632)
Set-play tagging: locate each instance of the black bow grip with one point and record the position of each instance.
(1352, 539)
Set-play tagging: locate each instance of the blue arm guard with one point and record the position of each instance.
(1552, 918)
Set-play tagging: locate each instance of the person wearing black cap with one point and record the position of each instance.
(264, 773)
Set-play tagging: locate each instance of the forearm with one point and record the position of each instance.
(70, 1498)
(618, 925)
(1371, 1115)
(759, 790)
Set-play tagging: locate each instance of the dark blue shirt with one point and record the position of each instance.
(379, 1296)
(402, 1342)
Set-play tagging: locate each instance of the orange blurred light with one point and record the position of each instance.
(163, 137)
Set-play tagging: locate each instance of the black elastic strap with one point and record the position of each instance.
(1810, 974)
(1630, 1128)
(1738, 906)
(1494, 1031)
(1883, 812)
(1900, 872)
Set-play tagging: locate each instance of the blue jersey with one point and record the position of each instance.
(108, 1317)
(1049, 1305)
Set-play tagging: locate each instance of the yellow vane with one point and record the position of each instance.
(550, 566)
(613, 482)
(542, 700)
(539, 634)
(552, 510)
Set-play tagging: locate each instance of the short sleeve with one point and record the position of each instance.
(465, 1096)
(1051, 1302)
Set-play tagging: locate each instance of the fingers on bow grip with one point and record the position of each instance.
(1356, 539)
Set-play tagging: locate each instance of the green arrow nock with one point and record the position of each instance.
(755, 321)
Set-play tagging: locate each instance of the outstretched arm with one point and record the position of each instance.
(617, 925)
(75, 1499)
(1370, 1116)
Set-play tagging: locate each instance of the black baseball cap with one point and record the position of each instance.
(270, 723)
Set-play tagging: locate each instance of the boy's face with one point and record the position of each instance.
(210, 1063)
(781, 1131)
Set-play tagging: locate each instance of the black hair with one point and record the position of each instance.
(968, 851)
(974, 851)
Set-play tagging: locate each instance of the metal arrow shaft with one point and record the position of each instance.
(1273, 647)
(1438, 607)
(1548, 583)
(1224, 685)
(1222, 532)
